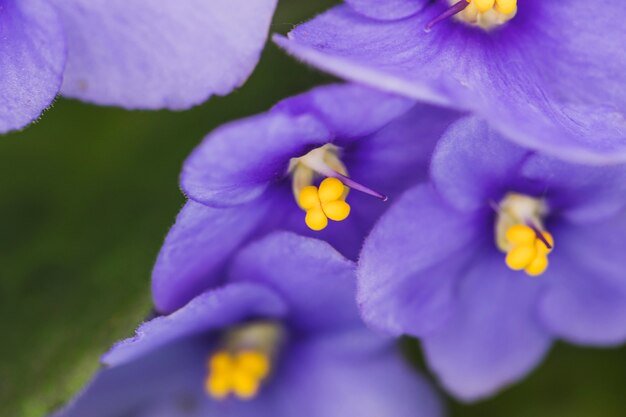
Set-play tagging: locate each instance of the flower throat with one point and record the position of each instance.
(328, 201)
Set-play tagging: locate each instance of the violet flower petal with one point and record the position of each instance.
(33, 57)
(151, 54)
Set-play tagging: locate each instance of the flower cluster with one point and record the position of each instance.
(472, 195)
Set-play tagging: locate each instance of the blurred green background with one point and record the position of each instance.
(88, 194)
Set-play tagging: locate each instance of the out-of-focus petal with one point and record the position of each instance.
(387, 9)
(32, 57)
(577, 192)
(409, 263)
(493, 337)
(316, 282)
(472, 164)
(235, 163)
(586, 300)
(351, 379)
(167, 379)
(197, 248)
(152, 54)
(210, 311)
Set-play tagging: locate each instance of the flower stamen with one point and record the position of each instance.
(486, 14)
(521, 235)
(240, 368)
(327, 201)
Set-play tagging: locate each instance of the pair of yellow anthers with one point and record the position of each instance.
(323, 203)
(239, 374)
(528, 251)
(501, 6)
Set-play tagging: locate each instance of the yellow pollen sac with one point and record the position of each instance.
(238, 374)
(324, 203)
(527, 252)
(487, 14)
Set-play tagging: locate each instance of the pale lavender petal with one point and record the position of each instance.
(473, 164)
(586, 300)
(32, 57)
(210, 311)
(150, 54)
(493, 337)
(408, 265)
(577, 192)
(343, 376)
(387, 9)
(316, 282)
(197, 249)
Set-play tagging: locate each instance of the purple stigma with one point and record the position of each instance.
(539, 235)
(360, 187)
(450, 11)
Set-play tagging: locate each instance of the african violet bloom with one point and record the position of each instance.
(550, 75)
(282, 338)
(502, 252)
(145, 54)
(291, 169)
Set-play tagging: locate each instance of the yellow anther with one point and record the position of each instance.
(336, 210)
(526, 250)
(240, 374)
(316, 219)
(324, 203)
(309, 198)
(484, 5)
(520, 234)
(538, 266)
(520, 256)
(331, 189)
(254, 363)
(506, 6)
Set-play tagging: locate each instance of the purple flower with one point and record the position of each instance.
(144, 54)
(502, 252)
(259, 174)
(283, 338)
(550, 75)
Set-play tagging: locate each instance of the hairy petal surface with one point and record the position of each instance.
(518, 77)
(151, 54)
(197, 249)
(409, 262)
(32, 57)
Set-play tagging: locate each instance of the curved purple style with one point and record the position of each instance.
(431, 268)
(552, 78)
(330, 364)
(239, 186)
(144, 54)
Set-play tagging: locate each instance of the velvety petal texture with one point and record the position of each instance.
(518, 77)
(240, 187)
(32, 58)
(150, 54)
(237, 162)
(209, 311)
(492, 337)
(431, 267)
(387, 9)
(297, 267)
(329, 363)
